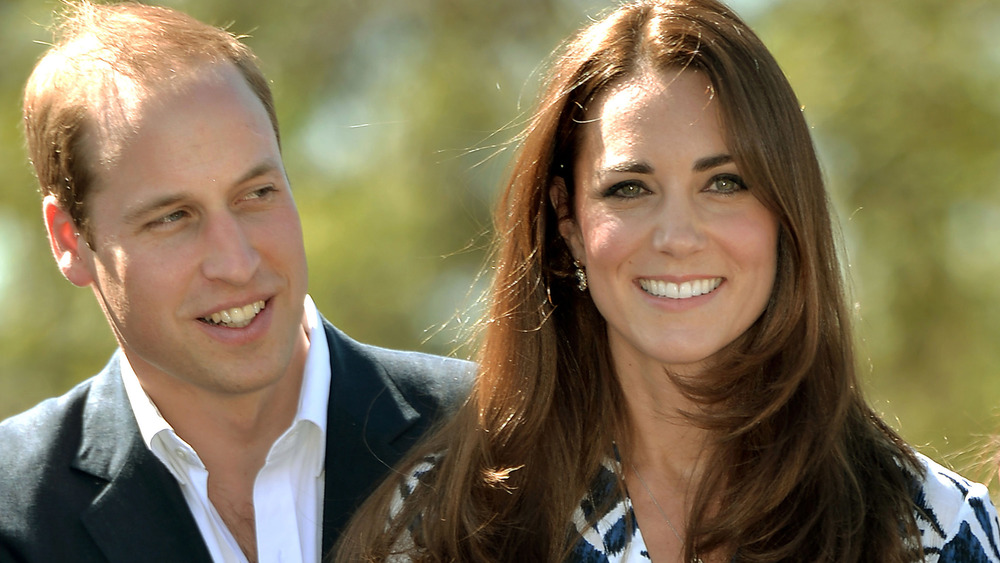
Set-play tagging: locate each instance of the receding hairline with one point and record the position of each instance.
(111, 120)
(103, 61)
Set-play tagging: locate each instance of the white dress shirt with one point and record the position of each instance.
(288, 491)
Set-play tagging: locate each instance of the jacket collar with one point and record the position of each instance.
(141, 513)
(367, 415)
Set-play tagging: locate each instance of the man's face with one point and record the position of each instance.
(197, 257)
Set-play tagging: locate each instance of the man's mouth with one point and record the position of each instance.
(684, 290)
(237, 317)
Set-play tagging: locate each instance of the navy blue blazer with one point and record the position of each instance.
(77, 483)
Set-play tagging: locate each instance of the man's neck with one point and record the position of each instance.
(232, 435)
(231, 429)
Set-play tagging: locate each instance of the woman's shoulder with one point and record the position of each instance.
(411, 478)
(405, 514)
(955, 516)
(603, 525)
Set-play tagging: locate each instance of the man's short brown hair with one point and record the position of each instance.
(106, 61)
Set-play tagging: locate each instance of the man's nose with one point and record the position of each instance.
(229, 253)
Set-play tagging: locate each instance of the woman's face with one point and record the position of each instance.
(680, 255)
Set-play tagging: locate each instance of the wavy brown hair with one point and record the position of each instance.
(801, 466)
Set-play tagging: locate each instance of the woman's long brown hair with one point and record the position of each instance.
(801, 468)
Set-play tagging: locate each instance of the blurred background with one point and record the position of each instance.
(397, 117)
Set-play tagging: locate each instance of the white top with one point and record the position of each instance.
(288, 491)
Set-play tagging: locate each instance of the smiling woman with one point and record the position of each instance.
(667, 370)
(680, 256)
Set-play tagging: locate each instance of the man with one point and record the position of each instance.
(234, 423)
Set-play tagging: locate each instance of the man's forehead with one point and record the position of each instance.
(118, 115)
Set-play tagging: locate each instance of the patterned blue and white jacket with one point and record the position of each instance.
(957, 521)
(956, 518)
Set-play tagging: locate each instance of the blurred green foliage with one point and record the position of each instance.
(397, 117)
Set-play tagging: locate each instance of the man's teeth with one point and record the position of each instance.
(237, 317)
(684, 290)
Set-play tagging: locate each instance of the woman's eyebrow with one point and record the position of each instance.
(638, 167)
(710, 162)
(630, 167)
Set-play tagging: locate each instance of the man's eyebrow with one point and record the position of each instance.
(135, 215)
(265, 167)
(710, 162)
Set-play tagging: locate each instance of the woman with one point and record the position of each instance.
(667, 370)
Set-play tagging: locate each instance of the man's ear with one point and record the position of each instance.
(68, 246)
(568, 227)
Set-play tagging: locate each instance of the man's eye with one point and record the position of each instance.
(261, 193)
(172, 217)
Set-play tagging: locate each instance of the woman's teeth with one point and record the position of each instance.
(683, 290)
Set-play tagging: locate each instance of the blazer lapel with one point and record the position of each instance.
(141, 514)
(366, 413)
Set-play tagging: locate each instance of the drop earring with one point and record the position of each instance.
(581, 276)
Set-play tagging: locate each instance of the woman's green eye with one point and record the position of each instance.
(727, 184)
(626, 190)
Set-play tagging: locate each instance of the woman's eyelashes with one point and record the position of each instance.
(726, 184)
(626, 190)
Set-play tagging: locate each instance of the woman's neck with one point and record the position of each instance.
(662, 437)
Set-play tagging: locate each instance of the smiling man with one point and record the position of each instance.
(234, 423)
